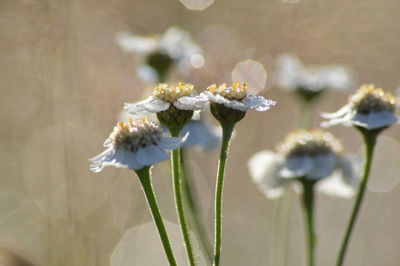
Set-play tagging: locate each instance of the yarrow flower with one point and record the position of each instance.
(174, 105)
(135, 145)
(174, 47)
(370, 108)
(309, 81)
(232, 102)
(311, 154)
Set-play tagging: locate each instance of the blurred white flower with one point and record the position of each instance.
(174, 46)
(181, 96)
(369, 108)
(237, 97)
(201, 135)
(292, 75)
(311, 154)
(134, 145)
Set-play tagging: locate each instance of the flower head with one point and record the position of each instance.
(173, 104)
(174, 47)
(309, 81)
(134, 145)
(230, 103)
(305, 154)
(370, 108)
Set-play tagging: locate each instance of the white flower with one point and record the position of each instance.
(201, 135)
(369, 107)
(314, 155)
(292, 75)
(135, 145)
(175, 43)
(181, 96)
(237, 97)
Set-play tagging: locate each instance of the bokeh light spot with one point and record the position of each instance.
(197, 60)
(252, 73)
(196, 4)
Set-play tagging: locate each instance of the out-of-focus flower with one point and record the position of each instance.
(309, 81)
(201, 135)
(311, 154)
(229, 104)
(135, 145)
(370, 108)
(174, 47)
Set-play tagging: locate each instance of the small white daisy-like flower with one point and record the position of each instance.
(201, 135)
(237, 97)
(370, 108)
(311, 154)
(181, 96)
(292, 75)
(135, 145)
(174, 45)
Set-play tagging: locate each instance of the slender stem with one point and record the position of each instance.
(145, 180)
(369, 144)
(175, 162)
(308, 208)
(226, 136)
(194, 211)
(305, 120)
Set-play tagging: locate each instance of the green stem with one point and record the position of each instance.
(369, 144)
(193, 208)
(306, 114)
(226, 136)
(145, 180)
(177, 184)
(308, 207)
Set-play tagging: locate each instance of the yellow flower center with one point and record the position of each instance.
(370, 99)
(136, 134)
(172, 93)
(311, 142)
(237, 91)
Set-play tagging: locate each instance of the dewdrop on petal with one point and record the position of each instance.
(370, 108)
(135, 145)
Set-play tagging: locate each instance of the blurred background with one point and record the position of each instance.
(64, 80)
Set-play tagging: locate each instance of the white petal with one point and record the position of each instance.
(151, 104)
(116, 158)
(151, 155)
(135, 43)
(107, 143)
(375, 120)
(297, 166)
(323, 166)
(343, 182)
(214, 98)
(264, 169)
(201, 135)
(170, 143)
(197, 102)
(346, 120)
(258, 102)
(341, 112)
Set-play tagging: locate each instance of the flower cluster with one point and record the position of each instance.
(310, 154)
(134, 145)
(369, 108)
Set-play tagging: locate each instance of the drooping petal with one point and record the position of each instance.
(117, 158)
(375, 120)
(340, 113)
(151, 104)
(323, 166)
(346, 120)
(97, 161)
(151, 155)
(258, 102)
(197, 102)
(297, 166)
